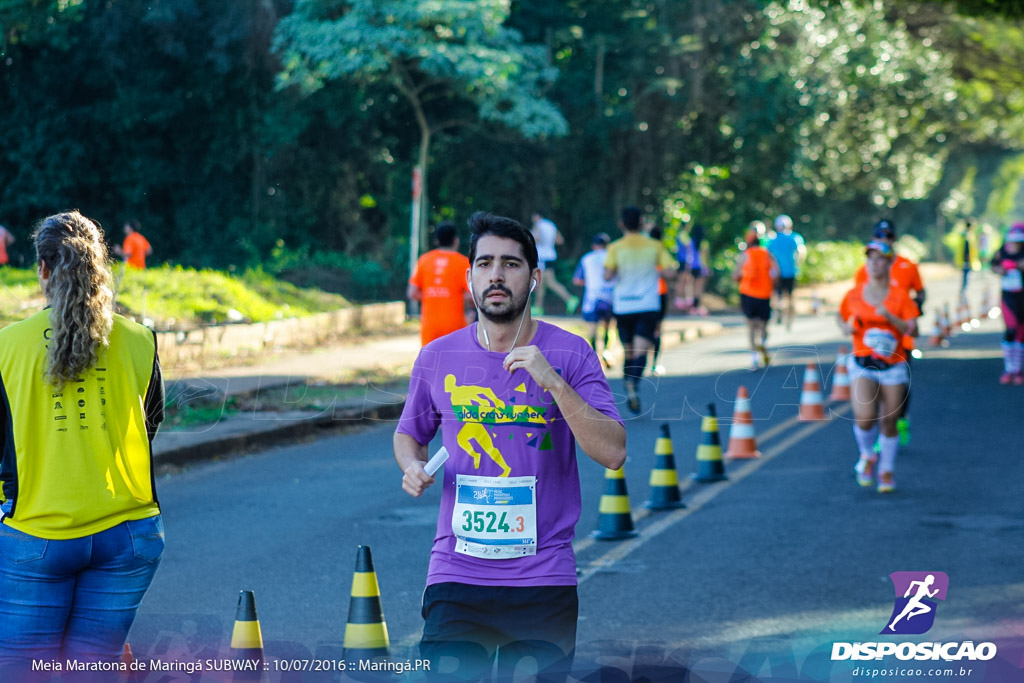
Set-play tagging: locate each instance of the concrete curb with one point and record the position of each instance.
(288, 430)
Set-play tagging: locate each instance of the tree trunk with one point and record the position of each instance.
(424, 161)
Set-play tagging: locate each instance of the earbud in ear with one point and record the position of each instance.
(533, 284)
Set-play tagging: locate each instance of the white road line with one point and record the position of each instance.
(697, 501)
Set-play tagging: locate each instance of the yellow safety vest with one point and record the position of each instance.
(76, 461)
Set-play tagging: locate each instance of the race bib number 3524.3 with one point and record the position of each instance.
(495, 518)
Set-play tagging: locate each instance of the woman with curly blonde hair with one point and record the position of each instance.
(81, 397)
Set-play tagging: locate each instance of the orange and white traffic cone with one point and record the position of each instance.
(937, 338)
(987, 309)
(841, 379)
(742, 441)
(964, 315)
(812, 404)
(947, 324)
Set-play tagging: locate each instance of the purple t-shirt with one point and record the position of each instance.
(459, 385)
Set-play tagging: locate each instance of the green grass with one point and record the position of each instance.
(176, 296)
(19, 294)
(188, 412)
(197, 413)
(831, 262)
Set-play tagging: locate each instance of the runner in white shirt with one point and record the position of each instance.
(547, 237)
(597, 294)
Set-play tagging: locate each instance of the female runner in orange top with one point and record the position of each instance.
(877, 316)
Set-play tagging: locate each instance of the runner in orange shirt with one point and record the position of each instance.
(135, 248)
(439, 283)
(903, 275)
(877, 316)
(756, 272)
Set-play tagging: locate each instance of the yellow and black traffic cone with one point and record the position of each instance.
(615, 521)
(664, 480)
(247, 638)
(709, 453)
(366, 634)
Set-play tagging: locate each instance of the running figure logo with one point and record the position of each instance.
(477, 407)
(916, 592)
(476, 431)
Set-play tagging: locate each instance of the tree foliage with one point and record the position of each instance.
(240, 131)
(454, 62)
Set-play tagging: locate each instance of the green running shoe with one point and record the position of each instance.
(903, 429)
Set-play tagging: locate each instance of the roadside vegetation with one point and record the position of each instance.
(173, 297)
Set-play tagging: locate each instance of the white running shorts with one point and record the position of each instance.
(894, 375)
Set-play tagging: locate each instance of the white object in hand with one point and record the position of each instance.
(434, 464)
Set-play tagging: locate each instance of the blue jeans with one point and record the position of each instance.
(74, 599)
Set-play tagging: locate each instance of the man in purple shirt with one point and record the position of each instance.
(511, 396)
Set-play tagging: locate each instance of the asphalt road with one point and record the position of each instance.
(758, 575)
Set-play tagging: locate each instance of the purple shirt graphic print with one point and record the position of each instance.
(497, 424)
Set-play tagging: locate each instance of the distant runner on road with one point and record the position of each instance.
(903, 274)
(502, 577)
(694, 267)
(547, 237)
(135, 247)
(756, 271)
(6, 240)
(877, 315)
(963, 242)
(1008, 263)
(439, 283)
(635, 262)
(788, 250)
(597, 293)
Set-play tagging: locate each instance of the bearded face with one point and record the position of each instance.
(500, 278)
(499, 304)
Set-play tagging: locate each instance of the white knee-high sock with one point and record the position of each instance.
(866, 440)
(890, 447)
